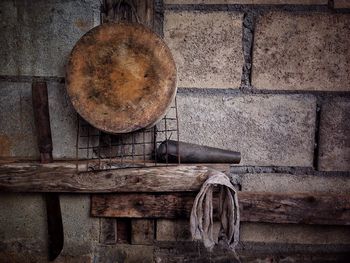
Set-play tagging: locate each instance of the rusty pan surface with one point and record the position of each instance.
(121, 77)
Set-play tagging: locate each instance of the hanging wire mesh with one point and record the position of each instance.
(98, 151)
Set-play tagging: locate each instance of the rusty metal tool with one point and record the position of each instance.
(43, 129)
(170, 151)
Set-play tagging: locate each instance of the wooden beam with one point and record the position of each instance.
(60, 177)
(292, 208)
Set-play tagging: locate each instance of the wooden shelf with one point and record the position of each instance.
(167, 192)
(62, 177)
(291, 208)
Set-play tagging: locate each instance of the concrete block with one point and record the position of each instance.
(179, 230)
(124, 254)
(334, 148)
(288, 183)
(173, 230)
(175, 252)
(23, 216)
(194, 252)
(341, 4)
(63, 119)
(37, 36)
(142, 231)
(294, 233)
(17, 128)
(268, 130)
(24, 251)
(255, 2)
(207, 48)
(81, 231)
(302, 52)
(108, 231)
(23, 228)
(75, 259)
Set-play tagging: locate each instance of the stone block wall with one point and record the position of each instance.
(268, 78)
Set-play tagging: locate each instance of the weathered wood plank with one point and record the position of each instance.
(123, 230)
(175, 205)
(94, 163)
(255, 207)
(58, 177)
(142, 231)
(323, 209)
(108, 231)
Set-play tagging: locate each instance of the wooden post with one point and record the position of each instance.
(283, 208)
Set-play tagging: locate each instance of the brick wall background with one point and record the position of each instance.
(269, 78)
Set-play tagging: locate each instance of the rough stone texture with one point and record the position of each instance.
(21, 216)
(178, 230)
(173, 230)
(108, 231)
(124, 254)
(308, 51)
(172, 252)
(334, 149)
(81, 231)
(75, 259)
(256, 2)
(37, 36)
(142, 231)
(267, 129)
(17, 128)
(288, 183)
(63, 119)
(26, 252)
(295, 233)
(341, 4)
(23, 228)
(207, 48)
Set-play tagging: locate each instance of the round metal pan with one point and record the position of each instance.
(121, 77)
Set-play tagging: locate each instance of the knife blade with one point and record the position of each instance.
(43, 129)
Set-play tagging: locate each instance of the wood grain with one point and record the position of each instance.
(142, 231)
(59, 177)
(121, 77)
(123, 230)
(108, 231)
(296, 208)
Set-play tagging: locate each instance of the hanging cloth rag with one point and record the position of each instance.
(201, 220)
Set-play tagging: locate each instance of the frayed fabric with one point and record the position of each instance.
(201, 220)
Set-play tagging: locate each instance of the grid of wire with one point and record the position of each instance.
(98, 151)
